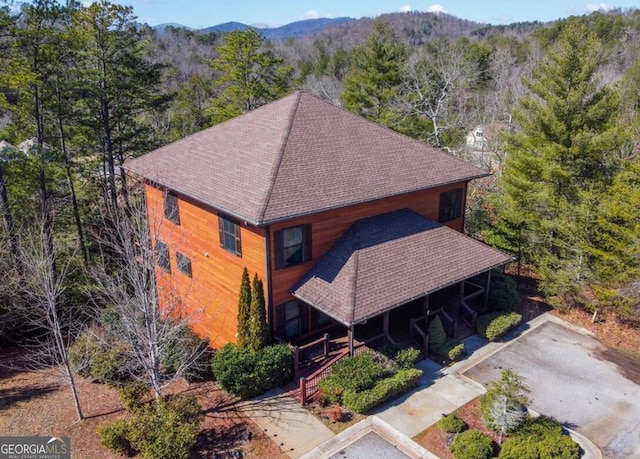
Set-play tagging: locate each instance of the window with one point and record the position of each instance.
(183, 263)
(162, 256)
(229, 235)
(170, 205)
(450, 205)
(292, 246)
(289, 323)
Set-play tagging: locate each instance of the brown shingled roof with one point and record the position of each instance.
(296, 156)
(384, 261)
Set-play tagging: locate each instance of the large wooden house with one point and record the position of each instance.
(345, 221)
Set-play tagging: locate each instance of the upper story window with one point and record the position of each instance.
(170, 206)
(450, 205)
(292, 246)
(162, 256)
(229, 235)
(183, 263)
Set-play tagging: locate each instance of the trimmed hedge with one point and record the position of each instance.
(452, 424)
(361, 371)
(247, 373)
(381, 391)
(542, 438)
(493, 326)
(472, 444)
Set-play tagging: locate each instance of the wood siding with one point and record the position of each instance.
(327, 227)
(210, 296)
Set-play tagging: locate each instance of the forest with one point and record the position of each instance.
(85, 88)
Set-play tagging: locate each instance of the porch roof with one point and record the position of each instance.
(388, 260)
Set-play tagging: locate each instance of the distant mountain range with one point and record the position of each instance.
(293, 30)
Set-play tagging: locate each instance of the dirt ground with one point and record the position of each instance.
(35, 403)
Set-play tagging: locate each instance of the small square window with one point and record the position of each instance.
(162, 256)
(170, 206)
(183, 263)
(450, 205)
(229, 235)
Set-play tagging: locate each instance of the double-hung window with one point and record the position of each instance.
(292, 246)
(229, 235)
(450, 205)
(183, 263)
(162, 256)
(170, 206)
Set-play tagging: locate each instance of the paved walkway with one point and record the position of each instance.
(440, 391)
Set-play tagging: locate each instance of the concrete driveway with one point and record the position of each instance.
(578, 381)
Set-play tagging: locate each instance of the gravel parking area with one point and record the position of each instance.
(574, 378)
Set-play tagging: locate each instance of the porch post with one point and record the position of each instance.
(486, 292)
(351, 339)
(425, 306)
(385, 323)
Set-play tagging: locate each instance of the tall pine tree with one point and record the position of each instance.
(375, 75)
(560, 162)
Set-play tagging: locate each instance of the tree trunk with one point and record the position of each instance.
(8, 222)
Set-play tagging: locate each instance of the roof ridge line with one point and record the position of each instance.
(282, 150)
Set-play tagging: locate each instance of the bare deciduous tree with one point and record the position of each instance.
(144, 309)
(55, 324)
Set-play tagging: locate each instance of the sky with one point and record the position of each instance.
(204, 13)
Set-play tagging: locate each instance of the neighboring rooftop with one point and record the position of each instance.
(297, 156)
(384, 261)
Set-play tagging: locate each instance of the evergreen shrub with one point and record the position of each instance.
(471, 444)
(494, 325)
(452, 424)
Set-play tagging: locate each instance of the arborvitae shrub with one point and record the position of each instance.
(437, 335)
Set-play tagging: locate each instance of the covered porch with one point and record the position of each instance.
(388, 275)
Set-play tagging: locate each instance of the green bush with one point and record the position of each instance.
(503, 292)
(115, 436)
(471, 444)
(381, 391)
(455, 351)
(492, 326)
(359, 372)
(540, 438)
(404, 357)
(167, 429)
(331, 389)
(407, 358)
(248, 373)
(437, 335)
(187, 348)
(95, 355)
(131, 395)
(452, 424)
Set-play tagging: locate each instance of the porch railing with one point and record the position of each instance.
(309, 385)
(303, 355)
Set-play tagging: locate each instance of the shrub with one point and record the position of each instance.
(115, 436)
(187, 348)
(131, 395)
(247, 373)
(472, 444)
(95, 355)
(159, 430)
(503, 292)
(452, 424)
(493, 326)
(542, 438)
(455, 351)
(407, 358)
(383, 390)
(437, 336)
(359, 372)
(507, 395)
(331, 388)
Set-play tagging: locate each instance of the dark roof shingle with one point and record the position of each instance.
(296, 156)
(387, 260)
